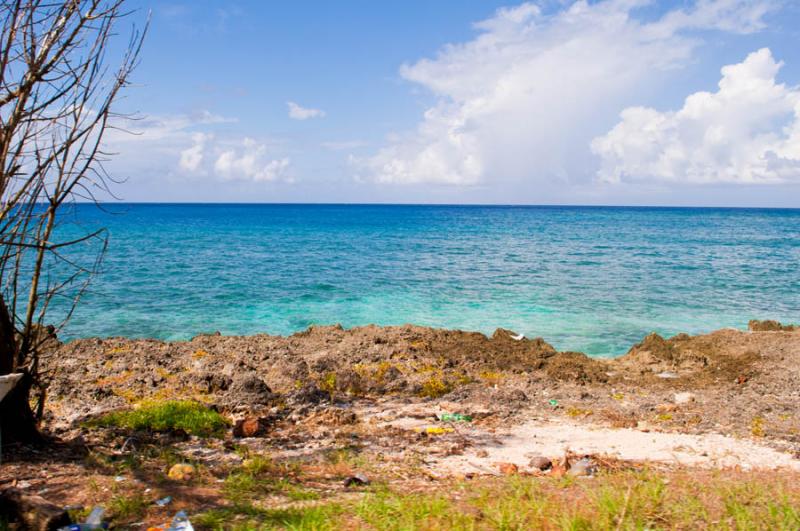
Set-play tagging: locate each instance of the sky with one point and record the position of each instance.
(613, 102)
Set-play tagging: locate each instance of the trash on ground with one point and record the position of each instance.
(163, 502)
(434, 430)
(358, 480)
(583, 467)
(667, 375)
(455, 417)
(93, 521)
(181, 472)
(553, 402)
(181, 522)
(684, 398)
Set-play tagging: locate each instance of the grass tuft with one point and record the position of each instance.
(159, 416)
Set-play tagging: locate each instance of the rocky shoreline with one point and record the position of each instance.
(738, 377)
(335, 408)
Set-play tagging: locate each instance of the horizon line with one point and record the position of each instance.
(484, 205)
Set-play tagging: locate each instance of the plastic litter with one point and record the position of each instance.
(180, 522)
(163, 502)
(455, 417)
(358, 480)
(583, 467)
(93, 521)
(436, 430)
(553, 402)
(181, 472)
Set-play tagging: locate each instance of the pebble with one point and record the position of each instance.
(508, 469)
(540, 462)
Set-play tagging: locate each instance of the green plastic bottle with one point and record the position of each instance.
(455, 417)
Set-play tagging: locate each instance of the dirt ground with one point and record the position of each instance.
(330, 402)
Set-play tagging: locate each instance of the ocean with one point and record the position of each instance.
(590, 279)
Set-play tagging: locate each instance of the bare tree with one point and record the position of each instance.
(57, 96)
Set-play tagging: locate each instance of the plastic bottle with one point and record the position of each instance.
(93, 521)
(455, 417)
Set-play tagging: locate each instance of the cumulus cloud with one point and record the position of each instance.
(524, 98)
(184, 147)
(192, 157)
(746, 132)
(249, 162)
(296, 112)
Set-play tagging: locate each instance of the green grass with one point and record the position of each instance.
(259, 476)
(159, 416)
(125, 507)
(628, 500)
(247, 517)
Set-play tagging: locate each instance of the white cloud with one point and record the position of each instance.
(249, 163)
(522, 100)
(746, 132)
(183, 147)
(296, 112)
(192, 157)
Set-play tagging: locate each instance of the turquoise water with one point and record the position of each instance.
(593, 279)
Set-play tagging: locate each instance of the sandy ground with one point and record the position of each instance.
(558, 437)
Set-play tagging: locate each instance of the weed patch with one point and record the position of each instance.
(159, 416)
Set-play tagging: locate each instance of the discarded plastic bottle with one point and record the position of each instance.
(93, 521)
(455, 417)
(163, 502)
(181, 522)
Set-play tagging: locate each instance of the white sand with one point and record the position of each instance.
(552, 438)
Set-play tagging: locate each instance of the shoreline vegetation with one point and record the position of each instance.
(410, 427)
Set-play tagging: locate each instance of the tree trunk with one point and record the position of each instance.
(17, 421)
(8, 343)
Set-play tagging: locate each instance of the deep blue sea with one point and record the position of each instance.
(592, 279)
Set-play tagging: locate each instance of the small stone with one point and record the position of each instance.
(666, 408)
(481, 453)
(508, 469)
(250, 427)
(540, 462)
(181, 472)
(684, 398)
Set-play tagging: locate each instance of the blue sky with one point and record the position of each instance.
(550, 102)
